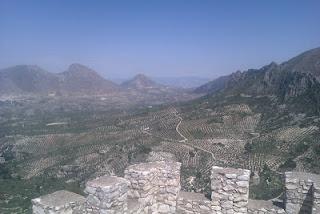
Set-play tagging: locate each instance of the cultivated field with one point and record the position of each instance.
(87, 143)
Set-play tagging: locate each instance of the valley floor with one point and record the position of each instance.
(61, 149)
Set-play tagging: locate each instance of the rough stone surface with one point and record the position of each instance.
(302, 193)
(107, 194)
(156, 185)
(189, 202)
(154, 188)
(230, 190)
(264, 207)
(60, 202)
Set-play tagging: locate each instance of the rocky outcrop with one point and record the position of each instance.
(295, 82)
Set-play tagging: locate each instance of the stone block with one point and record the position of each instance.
(107, 194)
(230, 189)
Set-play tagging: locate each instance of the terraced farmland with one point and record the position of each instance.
(224, 134)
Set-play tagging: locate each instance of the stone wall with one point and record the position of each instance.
(190, 202)
(154, 188)
(302, 193)
(106, 194)
(264, 207)
(230, 190)
(155, 185)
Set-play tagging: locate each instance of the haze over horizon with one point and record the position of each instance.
(158, 38)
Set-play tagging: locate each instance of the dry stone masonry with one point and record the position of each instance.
(154, 188)
(60, 202)
(230, 190)
(302, 193)
(263, 207)
(107, 194)
(155, 185)
(190, 202)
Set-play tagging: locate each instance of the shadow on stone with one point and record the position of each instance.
(307, 204)
(279, 202)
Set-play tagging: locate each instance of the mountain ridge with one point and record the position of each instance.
(297, 77)
(31, 79)
(89, 80)
(140, 82)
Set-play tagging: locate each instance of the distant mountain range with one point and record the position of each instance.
(76, 80)
(295, 81)
(270, 77)
(297, 78)
(183, 81)
(81, 79)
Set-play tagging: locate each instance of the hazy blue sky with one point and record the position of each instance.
(156, 37)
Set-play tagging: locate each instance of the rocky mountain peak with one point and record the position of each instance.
(77, 68)
(140, 81)
(307, 62)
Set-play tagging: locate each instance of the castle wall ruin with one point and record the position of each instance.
(230, 190)
(106, 194)
(154, 187)
(302, 193)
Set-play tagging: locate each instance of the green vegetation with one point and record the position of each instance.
(198, 134)
(270, 185)
(139, 153)
(15, 193)
(215, 120)
(251, 132)
(197, 180)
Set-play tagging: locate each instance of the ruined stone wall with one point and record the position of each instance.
(106, 194)
(230, 190)
(155, 185)
(154, 188)
(302, 193)
(193, 203)
(141, 185)
(264, 207)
